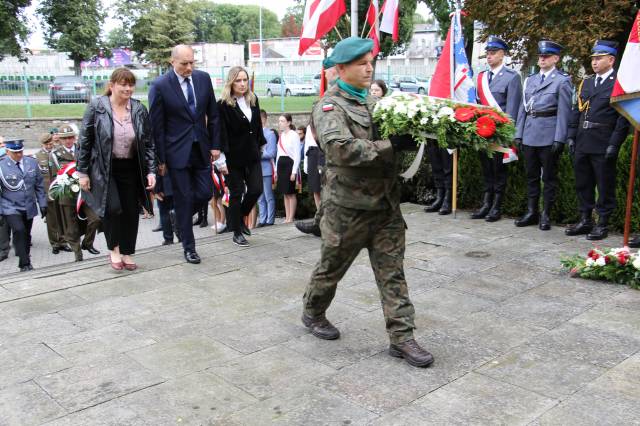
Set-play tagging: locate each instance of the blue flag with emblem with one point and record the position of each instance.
(463, 88)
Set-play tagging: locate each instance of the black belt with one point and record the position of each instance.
(593, 125)
(358, 172)
(544, 113)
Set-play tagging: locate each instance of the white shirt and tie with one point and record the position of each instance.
(183, 85)
(601, 78)
(494, 71)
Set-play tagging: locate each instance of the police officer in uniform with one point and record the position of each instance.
(541, 131)
(506, 90)
(596, 133)
(54, 230)
(360, 202)
(20, 189)
(72, 231)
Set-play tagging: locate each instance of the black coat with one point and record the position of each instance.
(596, 140)
(240, 140)
(94, 156)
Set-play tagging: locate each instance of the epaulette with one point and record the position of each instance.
(563, 73)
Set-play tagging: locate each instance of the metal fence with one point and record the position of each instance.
(280, 88)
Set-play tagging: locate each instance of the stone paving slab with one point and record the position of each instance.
(515, 340)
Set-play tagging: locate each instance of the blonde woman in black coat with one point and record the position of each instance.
(241, 139)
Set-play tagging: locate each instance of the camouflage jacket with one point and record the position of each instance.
(360, 169)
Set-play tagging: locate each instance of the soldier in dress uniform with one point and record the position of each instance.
(71, 226)
(360, 202)
(54, 229)
(504, 92)
(541, 131)
(596, 133)
(21, 193)
(5, 234)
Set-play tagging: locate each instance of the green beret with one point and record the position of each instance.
(348, 50)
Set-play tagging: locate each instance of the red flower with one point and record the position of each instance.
(592, 254)
(499, 118)
(485, 126)
(464, 114)
(622, 258)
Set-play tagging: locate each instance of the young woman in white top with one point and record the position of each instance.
(287, 165)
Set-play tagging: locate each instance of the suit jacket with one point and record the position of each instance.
(506, 88)
(240, 139)
(175, 127)
(26, 197)
(554, 93)
(599, 110)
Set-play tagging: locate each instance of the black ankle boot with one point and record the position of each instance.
(437, 203)
(583, 227)
(601, 230)
(446, 203)
(496, 209)
(545, 220)
(531, 217)
(481, 213)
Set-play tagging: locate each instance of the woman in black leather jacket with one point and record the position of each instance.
(116, 164)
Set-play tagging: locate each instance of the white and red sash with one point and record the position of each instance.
(484, 93)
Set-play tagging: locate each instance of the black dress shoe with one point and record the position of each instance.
(55, 250)
(243, 228)
(260, 225)
(240, 240)
(583, 227)
(545, 222)
(192, 257)
(91, 249)
(26, 268)
(204, 223)
(65, 248)
(600, 232)
(167, 242)
(321, 327)
(157, 229)
(412, 353)
(633, 243)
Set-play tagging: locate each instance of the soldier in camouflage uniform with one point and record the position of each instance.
(361, 203)
(54, 227)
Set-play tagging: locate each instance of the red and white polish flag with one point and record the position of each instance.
(390, 22)
(320, 16)
(372, 20)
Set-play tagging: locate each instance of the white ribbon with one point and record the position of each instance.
(413, 168)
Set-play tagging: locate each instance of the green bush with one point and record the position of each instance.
(420, 189)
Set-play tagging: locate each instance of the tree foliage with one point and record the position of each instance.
(117, 37)
(171, 24)
(69, 27)
(14, 29)
(292, 21)
(574, 24)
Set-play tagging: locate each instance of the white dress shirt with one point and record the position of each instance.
(290, 141)
(242, 103)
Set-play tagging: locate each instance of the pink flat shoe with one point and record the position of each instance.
(130, 266)
(118, 266)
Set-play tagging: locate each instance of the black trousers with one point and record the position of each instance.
(164, 207)
(192, 186)
(121, 229)
(494, 172)
(441, 165)
(5, 238)
(594, 171)
(539, 161)
(21, 234)
(239, 178)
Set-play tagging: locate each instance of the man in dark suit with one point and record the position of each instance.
(596, 132)
(186, 128)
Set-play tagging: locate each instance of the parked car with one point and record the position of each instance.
(292, 86)
(406, 83)
(316, 82)
(424, 82)
(69, 88)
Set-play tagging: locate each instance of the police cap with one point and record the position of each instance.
(348, 50)
(496, 43)
(605, 47)
(548, 47)
(14, 145)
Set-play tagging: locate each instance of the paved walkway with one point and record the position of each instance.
(515, 340)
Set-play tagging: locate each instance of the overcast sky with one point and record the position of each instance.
(279, 7)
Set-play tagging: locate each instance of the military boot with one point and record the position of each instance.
(411, 351)
(583, 227)
(437, 203)
(601, 230)
(531, 217)
(634, 242)
(445, 208)
(308, 227)
(496, 209)
(320, 327)
(481, 213)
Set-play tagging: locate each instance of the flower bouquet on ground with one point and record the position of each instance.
(66, 184)
(616, 265)
(453, 124)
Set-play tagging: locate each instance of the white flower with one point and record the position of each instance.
(75, 175)
(424, 120)
(75, 187)
(589, 262)
(411, 113)
(446, 112)
(601, 261)
(636, 262)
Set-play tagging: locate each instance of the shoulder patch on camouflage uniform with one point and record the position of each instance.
(327, 107)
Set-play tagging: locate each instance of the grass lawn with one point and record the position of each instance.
(291, 104)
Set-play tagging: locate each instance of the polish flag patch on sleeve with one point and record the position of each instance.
(327, 107)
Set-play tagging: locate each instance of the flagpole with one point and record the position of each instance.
(632, 178)
(454, 186)
(354, 18)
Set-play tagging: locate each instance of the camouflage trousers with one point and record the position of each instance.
(344, 233)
